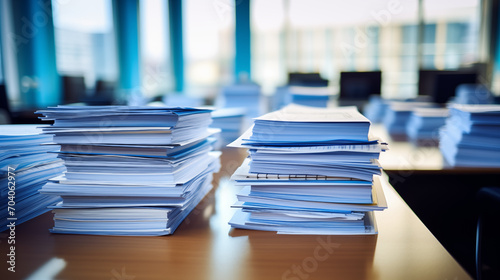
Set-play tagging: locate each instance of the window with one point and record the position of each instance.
(268, 43)
(208, 45)
(456, 32)
(155, 50)
(333, 36)
(85, 44)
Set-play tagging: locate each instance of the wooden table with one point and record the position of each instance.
(205, 247)
(442, 196)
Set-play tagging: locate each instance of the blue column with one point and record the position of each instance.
(126, 21)
(242, 60)
(496, 42)
(33, 38)
(176, 42)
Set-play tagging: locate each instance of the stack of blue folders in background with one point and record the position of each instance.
(230, 121)
(397, 116)
(310, 171)
(310, 96)
(424, 125)
(130, 170)
(25, 166)
(470, 136)
(473, 94)
(246, 95)
(376, 108)
(280, 98)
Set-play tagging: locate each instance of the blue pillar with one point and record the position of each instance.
(33, 38)
(176, 42)
(126, 20)
(242, 60)
(496, 43)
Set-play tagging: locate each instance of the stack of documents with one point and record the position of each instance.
(376, 108)
(397, 116)
(310, 171)
(470, 136)
(182, 99)
(247, 95)
(473, 94)
(25, 166)
(280, 98)
(230, 121)
(424, 125)
(130, 170)
(310, 96)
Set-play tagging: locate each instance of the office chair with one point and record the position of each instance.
(357, 87)
(360, 85)
(5, 113)
(445, 85)
(426, 80)
(74, 89)
(104, 93)
(488, 234)
(440, 85)
(306, 80)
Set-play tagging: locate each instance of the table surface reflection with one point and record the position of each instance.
(205, 247)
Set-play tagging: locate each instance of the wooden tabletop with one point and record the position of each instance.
(205, 247)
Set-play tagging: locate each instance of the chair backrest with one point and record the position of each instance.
(487, 239)
(73, 88)
(104, 86)
(440, 85)
(104, 93)
(306, 79)
(360, 85)
(5, 113)
(445, 85)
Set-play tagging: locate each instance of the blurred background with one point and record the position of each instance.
(403, 63)
(134, 51)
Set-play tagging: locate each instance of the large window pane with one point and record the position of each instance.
(334, 36)
(268, 38)
(456, 33)
(84, 37)
(155, 50)
(209, 45)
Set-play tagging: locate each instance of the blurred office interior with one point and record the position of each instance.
(112, 52)
(263, 54)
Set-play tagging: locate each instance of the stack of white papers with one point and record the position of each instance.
(130, 170)
(309, 171)
(424, 125)
(25, 166)
(470, 136)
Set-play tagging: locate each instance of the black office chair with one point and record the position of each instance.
(488, 234)
(360, 85)
(73, 88)
(445, 85)
(306, 80)
(103, 94)
(441, 85)
(357, 87)
(5, 113)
